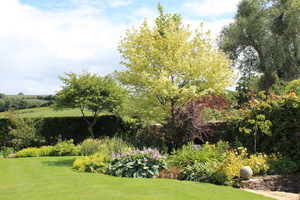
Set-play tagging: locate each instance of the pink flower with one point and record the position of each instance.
(172, 142)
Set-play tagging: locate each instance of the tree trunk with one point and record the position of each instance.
(91, 131)
(289, 63)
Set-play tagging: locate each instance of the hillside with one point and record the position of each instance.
(46, 112)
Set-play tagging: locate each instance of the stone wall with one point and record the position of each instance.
(286, 183)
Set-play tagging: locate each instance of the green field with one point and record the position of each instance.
(29, 98)
(53, 178)
(47, 112)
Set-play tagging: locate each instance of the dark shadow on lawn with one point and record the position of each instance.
(61, 163)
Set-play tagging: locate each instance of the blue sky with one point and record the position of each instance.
(42, 39)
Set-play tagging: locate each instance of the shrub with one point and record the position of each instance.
(109, 145)
(29, 152)
(228, 169)
(5, 151)
(293, 86)
(137, 164)
(96, 163)
(105, 146)
(262, 164)
(24, 131)
(66, 148)
(280, 165)
(47, 150)
(189, 154)
(89, 146)
(269, 125)
(150, 136)
(258, 163)
(200, 172)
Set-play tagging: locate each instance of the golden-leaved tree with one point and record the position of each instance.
(168, 65)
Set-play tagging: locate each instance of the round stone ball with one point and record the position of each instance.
(246, 172)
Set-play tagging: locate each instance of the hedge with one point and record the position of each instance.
(65, 128)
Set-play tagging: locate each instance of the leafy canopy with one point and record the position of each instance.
(264, 39)
(92, 92)
(170, 65)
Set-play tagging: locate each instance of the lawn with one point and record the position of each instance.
(54, 178)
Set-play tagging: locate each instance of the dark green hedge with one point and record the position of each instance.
(5, 138)
(54, 128)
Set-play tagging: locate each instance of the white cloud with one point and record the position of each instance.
(37, 46)
(214, 27)
(210, 8)
(120, 3)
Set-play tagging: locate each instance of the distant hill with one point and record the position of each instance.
(19, 102)
(47, 112)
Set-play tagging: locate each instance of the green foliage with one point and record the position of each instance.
(5, 137)
(47, 151)
(264, 38)
(29, 152)
(96, 163)
(272, 121)
(5, 151)
(113, 144)
(25, 131)
(190, 154)
(258, 163)
(199, 172)
(65, 148)
(247, 87)
(293, 86)
(92, 92)
(2, 96)
(137, 164)
(281, 165)
(224, 171)
(104, 145)
(75, 128)
(67, 128)
(228, 169)
(150, 136)
(89, 146)
(263, 164)
(168, 65)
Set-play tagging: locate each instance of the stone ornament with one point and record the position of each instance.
(246, 172)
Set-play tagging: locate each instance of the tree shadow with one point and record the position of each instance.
(60, 163)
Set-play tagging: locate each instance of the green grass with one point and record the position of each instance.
(47, 112)
(53, 178)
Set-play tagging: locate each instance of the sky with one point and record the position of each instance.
(42, 39)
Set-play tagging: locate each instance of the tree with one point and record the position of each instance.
(2, 96)
(264, 39)
(91, 92)
(168, 65)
